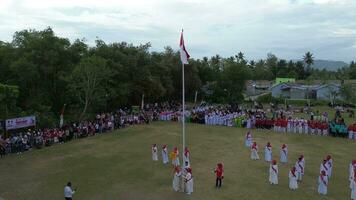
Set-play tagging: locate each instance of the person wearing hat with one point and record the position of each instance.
(323, 183)
(284, 154)
(254, 151)
(268, 152)
(293, 183)
(353, 188)
(165, 154)
(154, 152)
(188, 179)
(219, 172)
(176, 178)
(68, 191)
(273, 173)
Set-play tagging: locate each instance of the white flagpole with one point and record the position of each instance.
(183, 113)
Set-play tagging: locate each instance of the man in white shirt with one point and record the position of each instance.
(68, 192)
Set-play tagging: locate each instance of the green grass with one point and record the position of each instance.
(119, 166)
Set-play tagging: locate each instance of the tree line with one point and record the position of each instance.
(40, 72)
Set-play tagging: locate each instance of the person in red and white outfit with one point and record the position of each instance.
(273, 173)
(188, 179)
(268, 152)
(254, 152)
(186, 154)
(293, 183)
(284, 154)
(219, 172)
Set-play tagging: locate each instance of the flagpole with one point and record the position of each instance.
(183, 113)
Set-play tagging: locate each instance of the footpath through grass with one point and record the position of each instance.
(119, 166)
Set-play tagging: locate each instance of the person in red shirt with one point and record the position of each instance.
(219, 172)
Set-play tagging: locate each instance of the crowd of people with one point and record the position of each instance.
(102, 123)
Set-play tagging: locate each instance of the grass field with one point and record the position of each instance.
(119, 166)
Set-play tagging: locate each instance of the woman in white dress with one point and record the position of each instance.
(273, 173)
(154, 152)
(254, 152)
(189, 181)
(352, 171)
(353, 188)
(299, 165)
(186, 154)
(165, 154)
(284, 154)
(268, 152)
(323, 183)
(248, 139)
(176, 178)
(329, 162)
(293, 183)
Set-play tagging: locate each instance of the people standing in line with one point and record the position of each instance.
(68, 191)
(219, 172)
(284, 154)
(293, 183)
(154, 152)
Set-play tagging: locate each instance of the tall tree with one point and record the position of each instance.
(308, 61)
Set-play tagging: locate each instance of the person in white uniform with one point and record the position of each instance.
(329, 162)
(284, 154)
(299, 165)
(352, 169)
(254, 152)
(323, 183)
(189, 181)
(248, 139)
(293, 183)
(154, 152)
(353, 188)
(165, 154)
(268, 152)
(176, 178)
(273, 173)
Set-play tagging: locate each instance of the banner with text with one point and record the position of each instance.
(20, 122)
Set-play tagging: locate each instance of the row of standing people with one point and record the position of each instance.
(297, 171)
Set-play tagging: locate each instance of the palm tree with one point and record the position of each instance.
(308, 60)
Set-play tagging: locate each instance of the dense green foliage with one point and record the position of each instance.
(50, 71)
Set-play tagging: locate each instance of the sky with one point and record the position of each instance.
(286, 28)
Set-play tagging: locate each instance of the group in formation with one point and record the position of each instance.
(298, 169)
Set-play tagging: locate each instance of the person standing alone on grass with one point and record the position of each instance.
(154, 152)
(68, 192)
(165, 154)
(219, 172)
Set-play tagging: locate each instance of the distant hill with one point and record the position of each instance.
(328, 64)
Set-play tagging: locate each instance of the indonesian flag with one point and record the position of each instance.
(184, 56)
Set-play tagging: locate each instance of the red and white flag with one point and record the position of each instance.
(184, 56)
(61, 117)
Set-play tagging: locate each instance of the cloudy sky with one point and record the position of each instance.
(287, 28)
